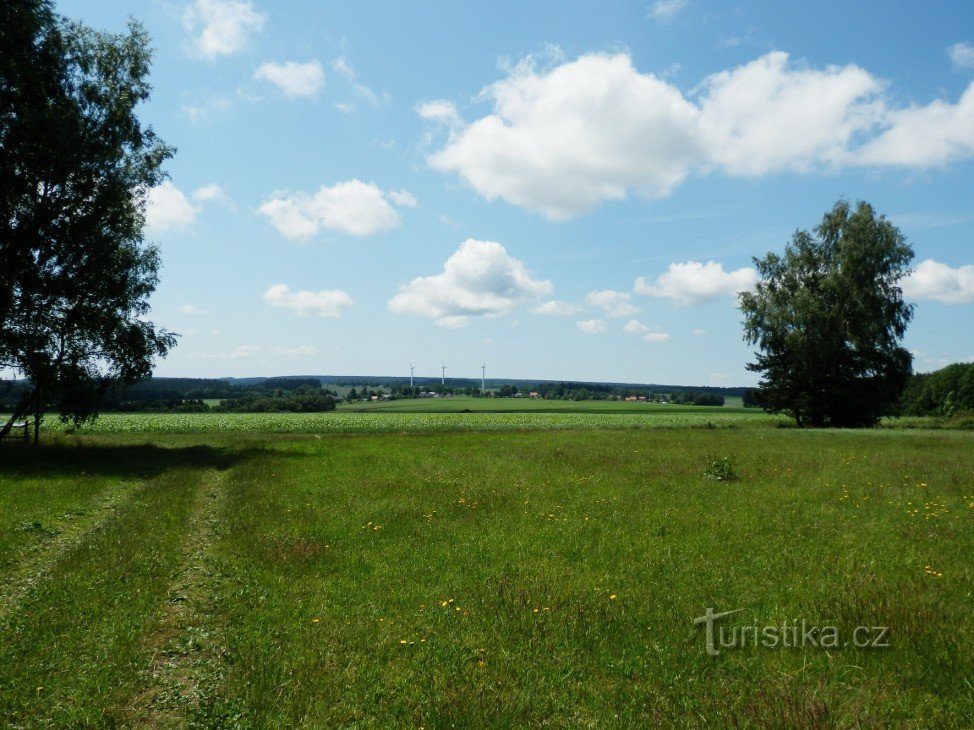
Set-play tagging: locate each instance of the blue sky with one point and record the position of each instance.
(560, 191)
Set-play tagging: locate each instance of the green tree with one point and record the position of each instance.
(828, 317)
(75, 167)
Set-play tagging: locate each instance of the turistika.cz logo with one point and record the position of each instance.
(797, 634)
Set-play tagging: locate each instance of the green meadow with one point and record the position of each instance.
(223, 570)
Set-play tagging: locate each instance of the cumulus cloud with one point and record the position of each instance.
(480, 279)
(220, 27)
(613, 303)
(635, 327)
(441, 111)
(325, 303)
(924, 136)
(292, 78)
(769, 115)
(556, 308)
(694, 282)
(665, 10)
(208, 193)
(351, 207)
(961, 55)
(403, 198)
(168, 207)
(562, 139)
(941, 283)
(591, 326)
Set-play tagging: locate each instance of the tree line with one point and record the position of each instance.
(945, 393)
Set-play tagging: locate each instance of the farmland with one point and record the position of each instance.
(532, 405)
(429, 568)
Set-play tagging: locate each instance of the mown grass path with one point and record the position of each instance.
(186, 670)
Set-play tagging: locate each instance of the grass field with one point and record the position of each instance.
(423, 576)
(462, 404)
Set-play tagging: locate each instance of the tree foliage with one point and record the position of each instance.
(941, 393)
(828, 317)
(75, 167)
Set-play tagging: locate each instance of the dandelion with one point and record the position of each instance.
(612, 597)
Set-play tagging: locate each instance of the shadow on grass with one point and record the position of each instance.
(135, 461)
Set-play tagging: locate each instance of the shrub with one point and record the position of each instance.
(719, 468)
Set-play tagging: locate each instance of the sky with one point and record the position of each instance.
(556, 190)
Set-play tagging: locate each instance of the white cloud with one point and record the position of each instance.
(699, 332)
(924, 136)
(190, 309)
(403, 198)
(351, 207)
(220, 27)
(292, 78)
(961, 55)
(209, 193)
(665, 10)
(167, 207)
(453, 322)
(325, 303)
(634, 327)
(555, 308)
(343, 68)
(694, 282)
(769, 115)
(444, 112)
(591, 326)
(563, 139)
(941, 283)
(613, 303)
(480, 279)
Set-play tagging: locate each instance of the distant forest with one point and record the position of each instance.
(943, 393)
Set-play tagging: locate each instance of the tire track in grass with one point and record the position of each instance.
(35, 567)
(186, 665)
(69, 655)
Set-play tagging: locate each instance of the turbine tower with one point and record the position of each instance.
(483, 372)
(443, 373)
(411, 368)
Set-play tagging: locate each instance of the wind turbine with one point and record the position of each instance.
(483, 372)
(411, 368)
(443, 373)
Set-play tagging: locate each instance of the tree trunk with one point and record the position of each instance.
(22, 409)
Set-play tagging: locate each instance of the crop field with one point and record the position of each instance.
(387, 421)
(270, 571)
(460, 404)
